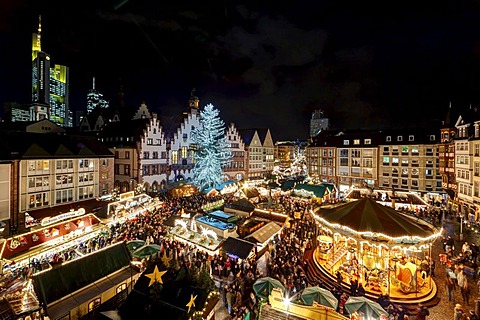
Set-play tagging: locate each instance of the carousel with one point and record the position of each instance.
(384, 250)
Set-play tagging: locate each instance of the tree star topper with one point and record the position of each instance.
(191, 303)
(155, 276)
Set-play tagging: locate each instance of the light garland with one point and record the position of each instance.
(407, 239)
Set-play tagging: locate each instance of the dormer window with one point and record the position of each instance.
(411, 138)
(388, 139)
(399, 138)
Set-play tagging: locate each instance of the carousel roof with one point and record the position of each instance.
(366, 215)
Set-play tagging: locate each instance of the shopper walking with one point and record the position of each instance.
(451, 288)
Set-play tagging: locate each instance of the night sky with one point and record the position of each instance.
(261, 63)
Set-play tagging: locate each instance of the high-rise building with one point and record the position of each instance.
(95, 99)
(318, 123)
(50, 86)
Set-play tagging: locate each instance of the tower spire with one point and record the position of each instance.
(36, 39)
(39, 31)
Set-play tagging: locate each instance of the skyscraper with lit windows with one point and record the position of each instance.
(50, 85)
(95, 99)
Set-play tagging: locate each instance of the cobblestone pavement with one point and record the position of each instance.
(444, 309)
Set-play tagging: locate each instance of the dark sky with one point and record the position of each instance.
(261, 63)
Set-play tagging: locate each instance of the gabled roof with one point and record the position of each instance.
(115, 134)
(247, 135)
(262, 134)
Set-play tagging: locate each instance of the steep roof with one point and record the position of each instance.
(247, 135)
(115, 134)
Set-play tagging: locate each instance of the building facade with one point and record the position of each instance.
(236, 169)
(47, 170)
(182, 148)
(260, 152)
(410, 161)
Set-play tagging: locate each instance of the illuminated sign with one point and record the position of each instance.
(127, 195)
(50, 220)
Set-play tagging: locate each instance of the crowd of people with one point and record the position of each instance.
(284, 259)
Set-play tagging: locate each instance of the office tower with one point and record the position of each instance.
(50, 86)
(317, 123)
(95, 99)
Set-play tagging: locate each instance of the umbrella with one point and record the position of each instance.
(135, 244)
(263, 286)
(369, 308)
(320, 295)
(146, 251)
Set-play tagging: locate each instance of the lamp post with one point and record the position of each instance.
(461, 228)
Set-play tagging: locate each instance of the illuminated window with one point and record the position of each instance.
(184, 152)
(175, 156)
(94, 304)
(121, 287)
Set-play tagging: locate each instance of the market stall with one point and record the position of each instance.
(381, 248)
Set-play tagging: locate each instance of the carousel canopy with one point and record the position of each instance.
(366, 215)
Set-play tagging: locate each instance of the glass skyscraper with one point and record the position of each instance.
(50, 86)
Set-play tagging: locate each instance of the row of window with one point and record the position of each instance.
(154, 169)
(146, 155)
(235, 164)
(60, 180)
(387, 139)
(408, 183)
(158, 142)
(44, 165)
(41, 199)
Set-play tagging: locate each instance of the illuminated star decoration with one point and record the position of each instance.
(165, 258)
(156, 276)
(191, 303)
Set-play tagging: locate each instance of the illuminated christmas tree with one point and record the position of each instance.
(212, 150)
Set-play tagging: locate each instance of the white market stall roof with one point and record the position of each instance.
(264, 233)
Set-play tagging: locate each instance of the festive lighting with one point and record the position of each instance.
(212, 152)
(208, 232)
(191, 303)
(407, 239)
(155, 276)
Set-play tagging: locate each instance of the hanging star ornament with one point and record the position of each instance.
(191, 303)
(155, 276)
